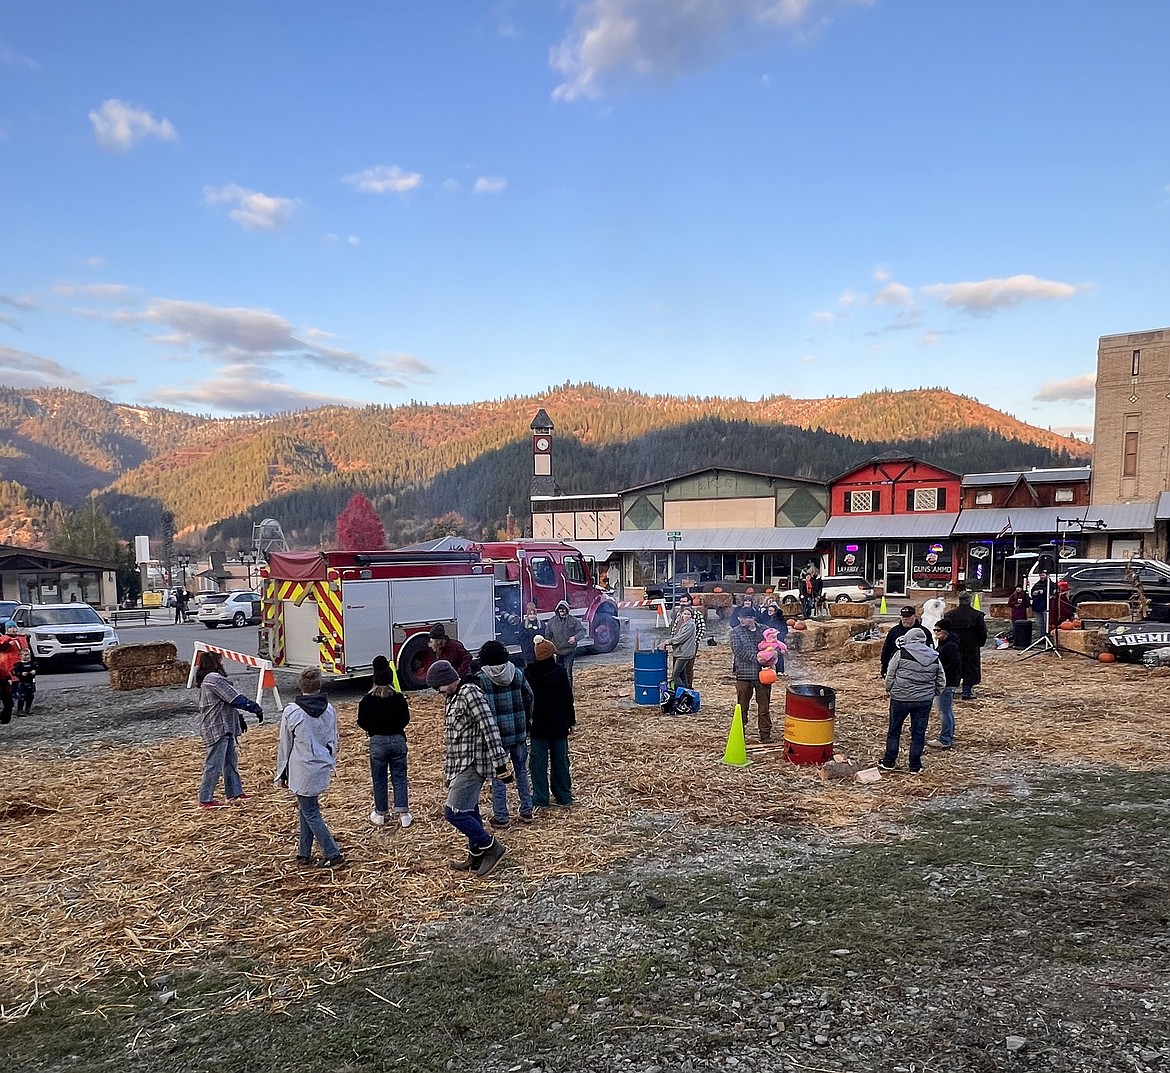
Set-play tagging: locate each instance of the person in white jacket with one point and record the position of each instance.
(305, 758)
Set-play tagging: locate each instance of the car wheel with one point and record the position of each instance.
(1087, 597)
(414, 661)
(606, 632)
(239, 618)
(842, 599)
(211, 625)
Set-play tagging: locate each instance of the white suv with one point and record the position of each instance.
(229, 609)
(64, 631)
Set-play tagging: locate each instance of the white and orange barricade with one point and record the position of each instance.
(267, 676)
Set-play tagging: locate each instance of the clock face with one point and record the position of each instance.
(542, 443)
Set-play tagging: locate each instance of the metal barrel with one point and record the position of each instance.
(808, 724)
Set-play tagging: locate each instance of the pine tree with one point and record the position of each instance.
(358, 526)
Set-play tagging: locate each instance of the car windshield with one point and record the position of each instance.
(208, 601)
(82, 615)
(7, 607)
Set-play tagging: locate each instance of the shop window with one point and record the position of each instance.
(1135, 363)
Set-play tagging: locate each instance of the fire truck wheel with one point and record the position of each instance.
(414, 661)
(606, 632)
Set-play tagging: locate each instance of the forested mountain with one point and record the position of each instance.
(419, 461)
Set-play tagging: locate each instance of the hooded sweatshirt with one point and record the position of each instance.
(510, 698)
(559, 630)
(308, 748)
(915, 675)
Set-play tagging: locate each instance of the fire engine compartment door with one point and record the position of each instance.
(475, 604)
(300, 628)
(365, 612)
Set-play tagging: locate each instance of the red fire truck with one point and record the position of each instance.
(337, 610)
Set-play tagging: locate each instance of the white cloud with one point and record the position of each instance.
(880, 275)
(9, 57)
(254, 211)
(245, 388)
(18, 368)
(823, 318)
(450, 184)
(616, 42)
(23, 304)
(95, 262)
(930, 338)
(383, 179)
(848, 298)
(119, 126)
(988, 295)
(407, 365)
(1079, 387)
(893, 294)
(486, 185)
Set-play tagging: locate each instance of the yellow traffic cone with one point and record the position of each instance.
(736, 752)
(975, 602)
(882, 605)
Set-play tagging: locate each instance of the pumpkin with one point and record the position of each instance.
(1068, 624)
(1107, 657)
(767, 675)
(718, 588)
(800, 625)
(1077, 624)
(792, 622)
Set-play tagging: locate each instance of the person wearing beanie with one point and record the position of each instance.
(472, 753)
(553, 720)
(952, 664)
(970, 630)
(383, 714)
(914, 679)
(444, 647)
(564, 629)
(510, 698)
(305, 759)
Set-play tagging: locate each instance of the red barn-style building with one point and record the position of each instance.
(891, 521)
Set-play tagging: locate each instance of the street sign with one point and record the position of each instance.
(674, 536)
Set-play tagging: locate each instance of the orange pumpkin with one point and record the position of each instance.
(799, 625)
(718, 588)
(1068, 624)
(1107, 657)
(792, 622)
(1077, 624)
(767, 675)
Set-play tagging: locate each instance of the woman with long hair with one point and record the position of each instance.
(219, 722)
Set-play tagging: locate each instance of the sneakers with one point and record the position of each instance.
(938, 743)
(471, 864)
(916, 771)
(887, 765)
(502, 824)
(241, 797)
(377, 818)
(213, 804)
(405, 818)
(303, 862)
(526, 817)
(336, 861)
(492, 855)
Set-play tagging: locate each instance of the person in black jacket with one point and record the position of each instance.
(907, 620)
(970, 626)
(383, 714)
(952, 663)
(553, 719)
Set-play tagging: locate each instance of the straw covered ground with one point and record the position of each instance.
(110, 869)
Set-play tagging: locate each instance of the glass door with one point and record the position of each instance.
(895, 555)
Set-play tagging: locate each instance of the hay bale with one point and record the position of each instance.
(168, 674)
(1106, 610)
(1086, 642)
(999, 611)
(837, 633)
(851, 611)
(149, 654)
(859, 651)
(811, 638)
(713, 600)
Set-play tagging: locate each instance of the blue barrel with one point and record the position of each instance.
(649, 674)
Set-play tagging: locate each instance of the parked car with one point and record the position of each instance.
(61, 632)
(673, 588)
(229, 609)
(1107, 579)
(841, 589)
(7, 611)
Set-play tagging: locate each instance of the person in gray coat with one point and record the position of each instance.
(684, 646)
(305, 758)
(564, 629)
(914, 678)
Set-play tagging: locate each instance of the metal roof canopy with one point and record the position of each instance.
(1117, 517)
(1032, 476)
(889, 526)
(774, 539)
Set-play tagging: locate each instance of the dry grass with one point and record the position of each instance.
(110, 868)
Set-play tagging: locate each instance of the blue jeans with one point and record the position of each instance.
(313, 826)
(946, 715)
(554, 751)
(388, 754)
(919, 719)
(462, 809)
(222, 759)
(519, 756)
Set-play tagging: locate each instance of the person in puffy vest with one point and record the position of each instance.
(915, 677)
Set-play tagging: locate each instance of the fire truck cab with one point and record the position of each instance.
(337, 610)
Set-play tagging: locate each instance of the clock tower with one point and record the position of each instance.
(542, 479)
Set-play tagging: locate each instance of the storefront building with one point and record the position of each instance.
(29, 576)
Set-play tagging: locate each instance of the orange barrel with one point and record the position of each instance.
(808, 724)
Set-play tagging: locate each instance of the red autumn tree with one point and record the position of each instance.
(358, 526)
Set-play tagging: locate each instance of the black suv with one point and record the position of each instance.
(1107, 579)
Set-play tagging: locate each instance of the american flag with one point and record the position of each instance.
(1005, 531)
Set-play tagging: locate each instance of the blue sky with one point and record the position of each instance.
(237, 207)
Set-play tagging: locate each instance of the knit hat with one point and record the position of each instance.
(964, 597)
(945, 624)
(441, 674)
(908, 610)
(382, 675)
(545, 649)
(493, 654)
(911, 636)
(438, 631)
